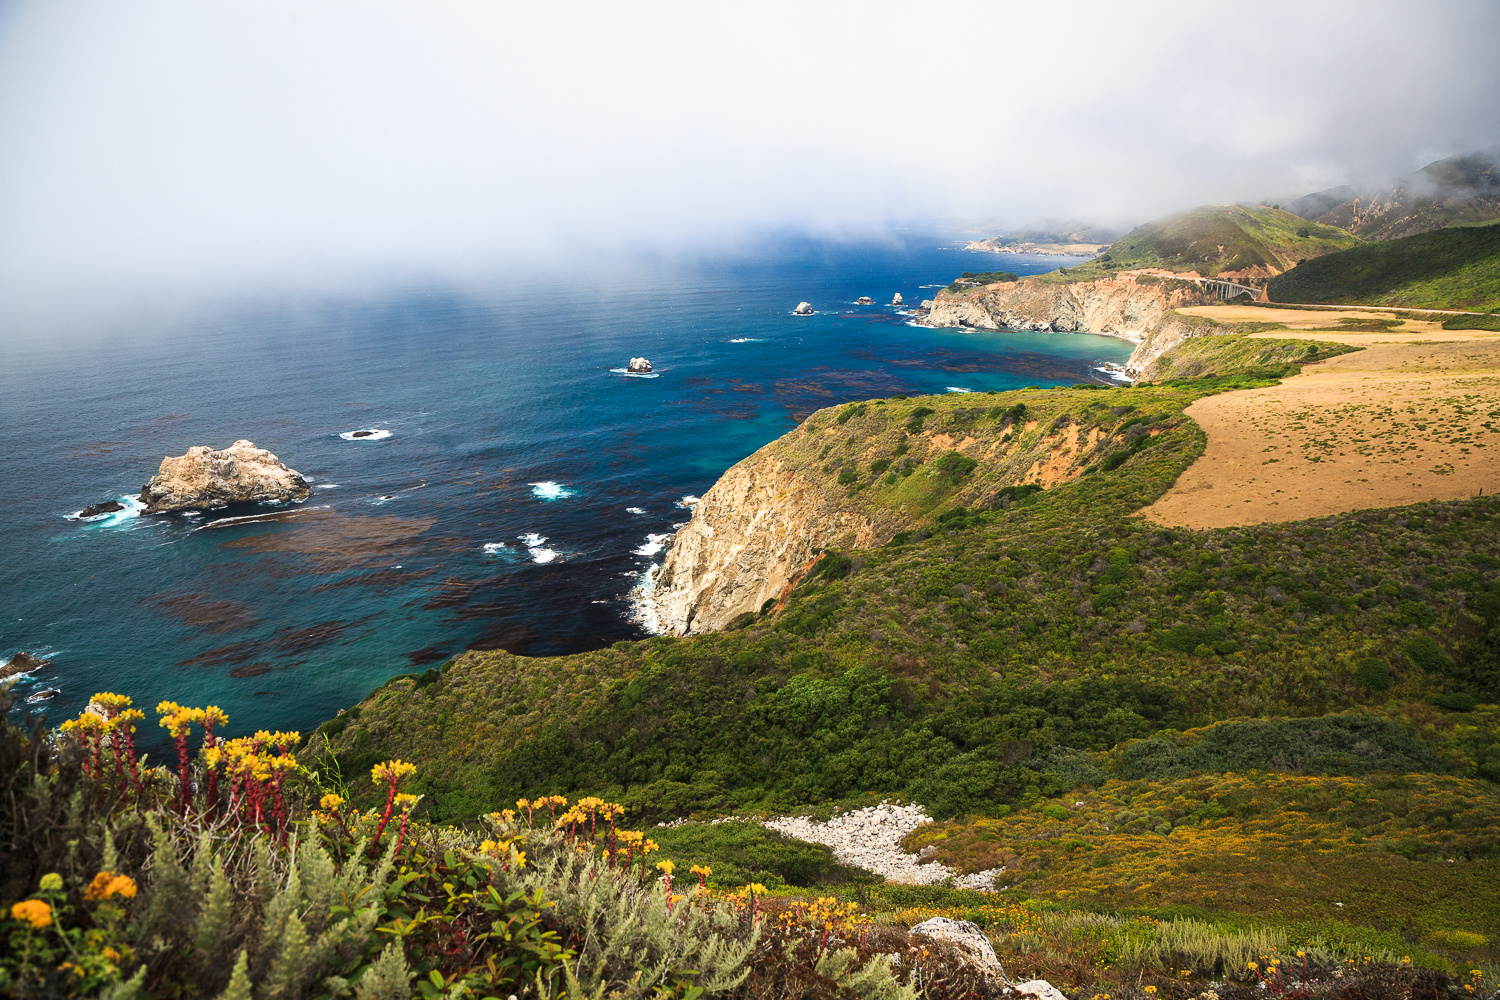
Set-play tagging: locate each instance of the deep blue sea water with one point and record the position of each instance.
(522, 489)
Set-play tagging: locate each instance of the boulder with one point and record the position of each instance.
(204, 478)
(95, 509)
(21, 663)
(864, 300)
(1039, 988)
(803, 309)
(639, 366)
(968, 938)
(896, 299)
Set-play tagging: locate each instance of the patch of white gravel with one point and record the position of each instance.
(871, 838)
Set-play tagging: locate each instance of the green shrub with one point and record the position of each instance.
(1456, 701)
(954, 466)
(848, 476)
(917, 416)
(1335, 744)
(1424, 651)
(741, 852)
(879, 465)
(1373, 674)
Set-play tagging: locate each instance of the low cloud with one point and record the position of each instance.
(157, 143)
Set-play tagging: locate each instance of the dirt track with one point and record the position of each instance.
(1414, 416)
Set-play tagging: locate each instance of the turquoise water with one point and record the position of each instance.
(522, 488)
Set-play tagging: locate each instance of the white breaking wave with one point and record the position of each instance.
(689, 502)
(955, 388)
(653, 544)
(330, 486)
(642, 608)
(536, 547)
(366, 434)
(634, 510)
(627, 372)
(133, 508)
(549, 490)
(746, 340)
(493, 547)
(1118, 374)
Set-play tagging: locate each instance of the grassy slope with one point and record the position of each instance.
(1014, 653)
(1217, 238)
(1448, 269)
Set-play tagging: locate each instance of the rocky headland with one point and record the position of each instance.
(205, 478)
(1123, 305)
(853, 477)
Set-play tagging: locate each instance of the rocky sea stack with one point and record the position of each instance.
(241, 473)
(803, 309)
(639, 366)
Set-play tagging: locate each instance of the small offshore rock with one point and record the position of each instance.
(95, 509)
(363, 434)
(803, 309)
(42, 696)
(21, 663)
(203, 478)
(639, 366)
(965, 936)
(896, 299)
(864, 300)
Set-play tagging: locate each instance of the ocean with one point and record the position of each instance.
(518, 484)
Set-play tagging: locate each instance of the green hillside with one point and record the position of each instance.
(1215, 239)
(1000, 662)
(1456, 268)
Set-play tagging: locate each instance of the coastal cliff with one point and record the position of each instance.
(853, 477)
(1121, 305)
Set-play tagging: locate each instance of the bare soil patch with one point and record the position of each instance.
(1397, 423)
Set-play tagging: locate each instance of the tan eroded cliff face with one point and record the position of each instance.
(751, 532)
(241, 473)
(1125, 305)
(855, 484)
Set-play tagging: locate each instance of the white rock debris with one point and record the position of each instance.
(871, 838)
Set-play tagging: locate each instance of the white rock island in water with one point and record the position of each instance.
(803, 309)
(639, 366)
(241, 473)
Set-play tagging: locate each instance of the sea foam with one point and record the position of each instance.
(366, 434)
(492, 547)
(630, 374)
(955, 388)
(549, 490)
(634, 510)
(689, 502)
(133, 508)
(652, 545)
(536, 547)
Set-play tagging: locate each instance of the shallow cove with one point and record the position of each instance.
(513, 494)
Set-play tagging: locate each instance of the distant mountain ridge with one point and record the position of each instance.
(1459, 190)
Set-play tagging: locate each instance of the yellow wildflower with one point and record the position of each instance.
(665, 866)
(33, 911)
(51, 882)
(391, 770)
(331, 801)
(406, 802)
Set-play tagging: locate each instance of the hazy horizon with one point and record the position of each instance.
(158, 147)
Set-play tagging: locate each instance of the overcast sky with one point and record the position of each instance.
(149, 142)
